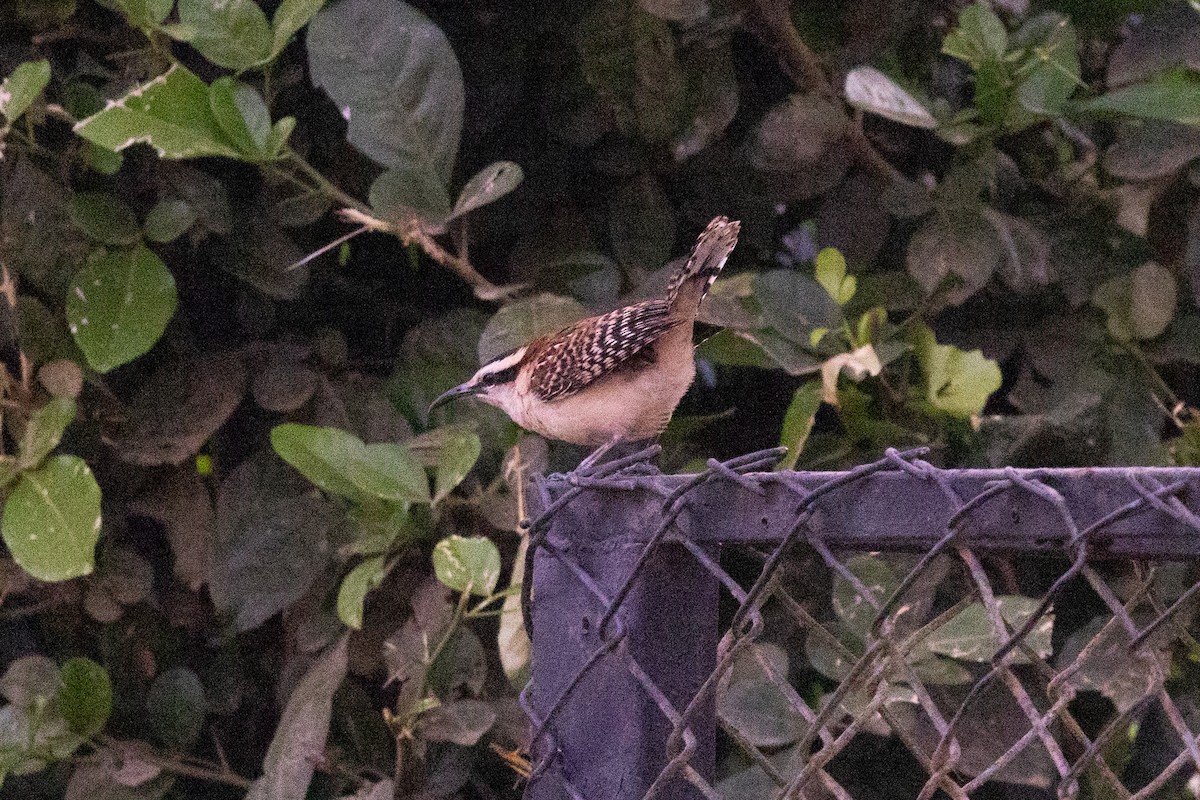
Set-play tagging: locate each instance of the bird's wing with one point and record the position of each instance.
(591, 348)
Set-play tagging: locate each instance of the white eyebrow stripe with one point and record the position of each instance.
(501, 364)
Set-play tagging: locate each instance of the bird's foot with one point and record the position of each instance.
(615, 456)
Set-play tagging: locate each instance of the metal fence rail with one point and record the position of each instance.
(727, 635)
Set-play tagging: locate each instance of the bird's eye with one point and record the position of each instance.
(503, 376)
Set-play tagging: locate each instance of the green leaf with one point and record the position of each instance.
(793, 304)
(979, 35)
(44, 430)
(119, 305)
(956, 381)
(407, 191)
(1050, 73)
(970, 636)
(628, 57)
(52, 520)
(958, 245)
(798, 421)
(290, 17)
(233, 34)
(177, 706)
(452, 451)
(142, 13)
(103, 160)
(1098, 657)
(394, 77)
(854, 611)
(271, 541)
(463, 722)
(280, 132)
(353, 592)
(303, 728)
(240, 111)
(341, 464)
(170, 113)
(104, 218)
(1174, 97)
(727, 346)
(21, 88)
(831, 274)
(870, 90)
(467, 564)
(750, 700)
(1140, 304)
(489, 185)
(85, 699)
(519, 323)
(168, 220)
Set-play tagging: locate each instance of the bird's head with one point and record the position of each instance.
(494, 383)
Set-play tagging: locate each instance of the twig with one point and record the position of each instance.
(771, 22)
(176, 767)
(320, 251)
(413, 233)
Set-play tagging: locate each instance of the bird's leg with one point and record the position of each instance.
(589, 463)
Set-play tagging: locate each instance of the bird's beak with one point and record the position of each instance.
(446, 397)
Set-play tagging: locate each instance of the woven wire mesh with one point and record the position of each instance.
(1040, 659)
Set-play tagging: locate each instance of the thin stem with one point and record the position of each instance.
(1171, 400)
(411, 232)
(478, 609)
(324, 184)
(771, 22)
(209, 773)
(326, 248)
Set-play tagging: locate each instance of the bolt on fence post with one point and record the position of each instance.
(605, 732)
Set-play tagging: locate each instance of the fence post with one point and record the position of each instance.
(606, 738)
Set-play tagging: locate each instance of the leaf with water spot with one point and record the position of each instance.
(970, 635)
(21, 88)
(52, 520)
(119, 305)
(467, 564)
(170, 113)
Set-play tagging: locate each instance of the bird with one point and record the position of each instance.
(611, 378)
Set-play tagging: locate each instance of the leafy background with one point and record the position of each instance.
(246, 243)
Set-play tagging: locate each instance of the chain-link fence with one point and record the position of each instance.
(893, 631)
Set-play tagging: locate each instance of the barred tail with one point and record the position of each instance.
(689, 285)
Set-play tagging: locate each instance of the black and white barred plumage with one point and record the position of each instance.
(567, 361)
(713, 246)
(613, 377)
